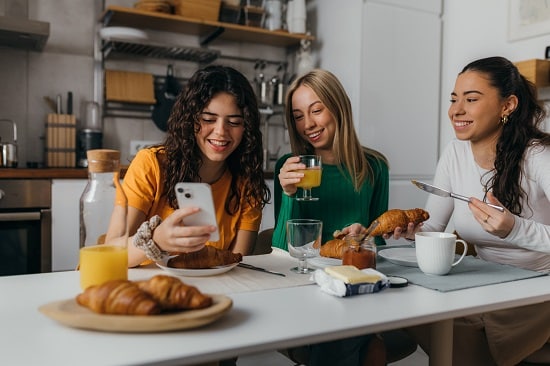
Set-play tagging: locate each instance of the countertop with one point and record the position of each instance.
(59, 173)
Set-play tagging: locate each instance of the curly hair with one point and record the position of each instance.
(183, 155)
(346, 146)
(522, 129)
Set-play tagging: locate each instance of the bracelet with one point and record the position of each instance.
(144, 239)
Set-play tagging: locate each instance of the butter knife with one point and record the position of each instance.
(250, 266)
(443, 193)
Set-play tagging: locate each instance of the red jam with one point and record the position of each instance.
(361, 254)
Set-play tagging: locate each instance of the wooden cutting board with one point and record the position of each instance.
(129, 87)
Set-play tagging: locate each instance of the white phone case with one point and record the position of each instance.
(198, 195)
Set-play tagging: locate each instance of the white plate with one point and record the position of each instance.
(401, 256)
(322, 262)
(198, 272)
(122, 33)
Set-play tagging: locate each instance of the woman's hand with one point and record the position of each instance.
(288, 176)
(172, 236)
(354, 229)
(407, 232)
(492, 220)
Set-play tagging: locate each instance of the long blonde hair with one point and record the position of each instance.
(346, 146)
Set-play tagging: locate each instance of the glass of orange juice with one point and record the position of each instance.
(312, 176)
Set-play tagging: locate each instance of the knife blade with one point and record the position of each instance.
(250, 266)
(443, 193)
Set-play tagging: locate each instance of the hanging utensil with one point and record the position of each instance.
(165, 97)
(443, 193)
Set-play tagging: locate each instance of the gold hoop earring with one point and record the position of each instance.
(504, 120)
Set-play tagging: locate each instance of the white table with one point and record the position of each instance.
(259, 321)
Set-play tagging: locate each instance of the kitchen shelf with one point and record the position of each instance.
(113, 47)
(207, 30)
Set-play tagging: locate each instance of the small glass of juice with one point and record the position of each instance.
(312, 176)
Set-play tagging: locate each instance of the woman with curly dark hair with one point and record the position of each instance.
(213, 137)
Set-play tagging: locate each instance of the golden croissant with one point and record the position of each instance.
(172, 294)
(333, 248)
(118, 297)
(207, 257)
(389, 220)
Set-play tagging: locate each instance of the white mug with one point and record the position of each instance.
(435, 252)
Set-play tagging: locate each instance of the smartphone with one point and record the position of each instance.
(198, 195)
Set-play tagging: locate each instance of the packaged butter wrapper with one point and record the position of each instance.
(338, 283)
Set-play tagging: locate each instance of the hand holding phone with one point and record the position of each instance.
(189, 194)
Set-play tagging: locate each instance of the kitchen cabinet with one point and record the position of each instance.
(66, 222)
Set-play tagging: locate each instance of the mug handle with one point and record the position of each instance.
(463, 253)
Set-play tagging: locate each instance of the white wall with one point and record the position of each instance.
(475, 29)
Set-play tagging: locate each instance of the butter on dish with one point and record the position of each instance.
(348, 280)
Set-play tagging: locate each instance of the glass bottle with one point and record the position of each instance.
(103, 226)
(360, 251)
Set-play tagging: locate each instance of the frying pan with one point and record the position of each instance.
(166, 97)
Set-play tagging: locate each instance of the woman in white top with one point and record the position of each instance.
(502, 157)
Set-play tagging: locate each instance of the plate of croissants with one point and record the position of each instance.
(162, 303)
(332, 251)
(208, 261)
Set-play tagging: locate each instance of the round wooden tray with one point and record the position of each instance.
(68, 312)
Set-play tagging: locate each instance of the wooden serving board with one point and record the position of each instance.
(129, 87)
(70, 313)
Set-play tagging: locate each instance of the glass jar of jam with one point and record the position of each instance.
(360, 252)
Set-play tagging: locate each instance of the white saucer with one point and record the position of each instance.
(400, 256)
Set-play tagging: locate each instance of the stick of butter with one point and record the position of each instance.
(350, 274)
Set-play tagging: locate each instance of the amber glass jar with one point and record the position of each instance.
(360, 252)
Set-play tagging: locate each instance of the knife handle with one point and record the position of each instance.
(466, 199)
(459, 197)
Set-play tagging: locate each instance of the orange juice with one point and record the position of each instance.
(102, 263)
(312, 178)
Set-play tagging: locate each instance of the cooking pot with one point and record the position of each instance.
(8, 150)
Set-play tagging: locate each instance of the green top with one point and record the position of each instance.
(339, 205)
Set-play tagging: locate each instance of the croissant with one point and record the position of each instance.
(333, 248)
(389, 220)
(172, 294)
(118, 297)
(207, 257)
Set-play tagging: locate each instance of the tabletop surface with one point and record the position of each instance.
(260, 320)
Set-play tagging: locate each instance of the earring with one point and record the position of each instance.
(504, 119)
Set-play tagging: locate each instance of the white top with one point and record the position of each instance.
(528, 244)
(260, 320)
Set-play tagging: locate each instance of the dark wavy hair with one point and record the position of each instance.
(522, 129)
(183, 156)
